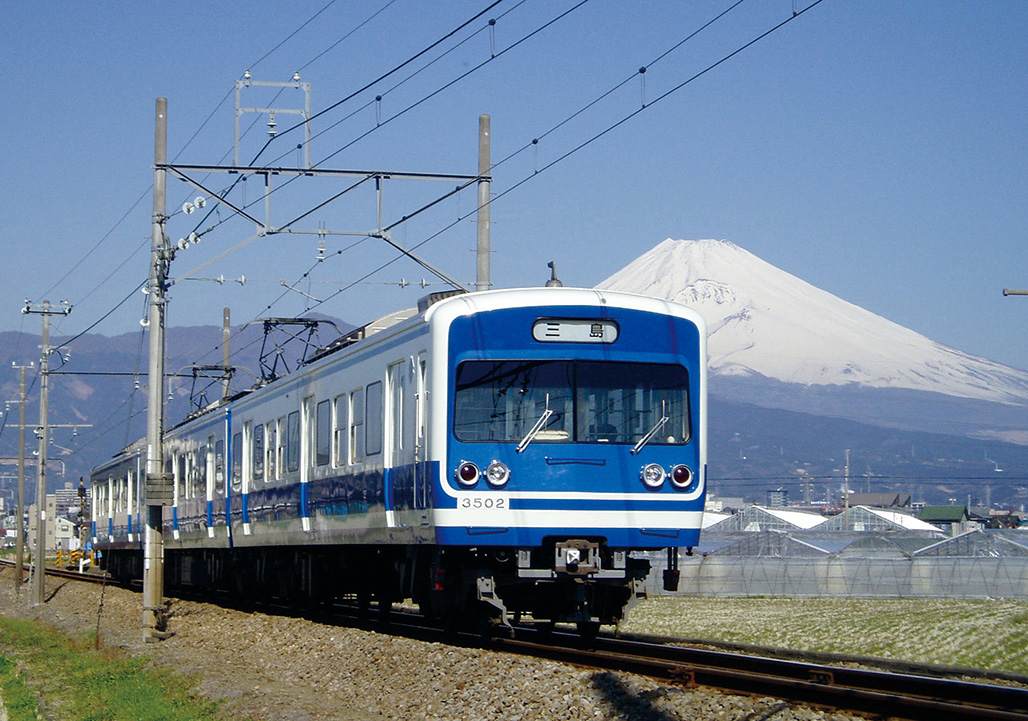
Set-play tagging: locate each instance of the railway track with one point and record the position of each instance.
(915, 694)
(879, 693)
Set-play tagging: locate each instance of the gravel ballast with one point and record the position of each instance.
(278, 668)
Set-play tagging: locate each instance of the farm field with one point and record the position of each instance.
(987, 634)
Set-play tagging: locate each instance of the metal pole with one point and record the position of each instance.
(483, 281)
(44, 434)
(154, 616)
(226, 333)
(19, 548)
(44, 392)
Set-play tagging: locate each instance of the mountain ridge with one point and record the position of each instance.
(763, 321)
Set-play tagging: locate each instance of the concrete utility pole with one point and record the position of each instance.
(157, 484)
(226, 356)
(19, 547)
(43, 431)
(483, 280)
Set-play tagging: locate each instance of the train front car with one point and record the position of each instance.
(573, 434)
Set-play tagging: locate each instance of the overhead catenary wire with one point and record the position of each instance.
(559, 159)
(571, 152)
(147, 191)
(479, 66)
(195, 134)
(347, 98)
(379, 79)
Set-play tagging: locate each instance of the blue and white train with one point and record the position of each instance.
(495, 455)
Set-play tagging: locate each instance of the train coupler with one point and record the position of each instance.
(486, 590)
(577, 557)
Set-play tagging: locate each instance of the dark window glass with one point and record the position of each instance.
(589, 401)
(258, 452)
(373, 426)
(323, 449)
(219, 467)
(237, 461)
(293, 441)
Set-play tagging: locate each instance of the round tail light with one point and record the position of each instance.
(681, 477)
(467, 474)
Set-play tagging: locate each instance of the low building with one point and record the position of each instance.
(954, 520)
(881, 500)
(61, 532)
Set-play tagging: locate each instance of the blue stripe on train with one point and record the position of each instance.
(616, 537)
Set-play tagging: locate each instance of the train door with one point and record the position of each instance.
(422, 479)
(307, 427)
(130, 501)
(211, 484)
(400, 444)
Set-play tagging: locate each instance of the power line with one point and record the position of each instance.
(110, 232)
(408, 61)
(400, 113)
(379, 79)
(585, 143)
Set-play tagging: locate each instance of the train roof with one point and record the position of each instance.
(445, 306)
(466, 303)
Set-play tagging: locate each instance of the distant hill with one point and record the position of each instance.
(111, 409)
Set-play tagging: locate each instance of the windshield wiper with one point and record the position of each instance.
(530, 436)
(664, 418)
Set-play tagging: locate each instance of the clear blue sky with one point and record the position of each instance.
(876, 149)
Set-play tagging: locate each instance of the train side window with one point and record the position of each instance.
(201, 468)
(180, 475)
(293, 442)
(280, 449)
(258, 452)
(356, 424)
(420, 407)
(271, 451)
(397, 379)
(323, 433)
(237, 462)
(219, 467)
(340, 430)
(191, 474)
(373, 420)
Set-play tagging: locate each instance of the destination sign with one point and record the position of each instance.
(574, 330)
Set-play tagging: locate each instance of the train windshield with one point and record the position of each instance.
(589, 402)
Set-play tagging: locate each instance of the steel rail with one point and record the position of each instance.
(904, 696)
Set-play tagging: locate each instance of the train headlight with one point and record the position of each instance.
(681, 477)
(652, 476)
(467, 474)
(497, 474)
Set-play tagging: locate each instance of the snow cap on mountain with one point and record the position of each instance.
(767, 322)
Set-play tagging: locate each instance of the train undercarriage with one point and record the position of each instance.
(487, 589)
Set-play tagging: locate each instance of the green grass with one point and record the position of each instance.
(988, 634)
(77, 683)
(18, 698)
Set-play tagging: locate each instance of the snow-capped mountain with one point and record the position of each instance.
(765, 321)
(778, 342)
